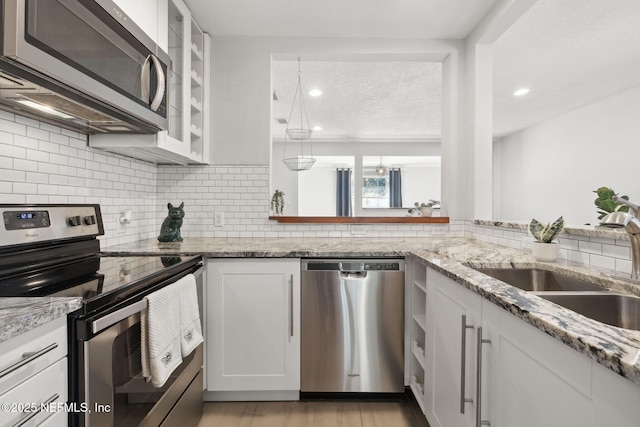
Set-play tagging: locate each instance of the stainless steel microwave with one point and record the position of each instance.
(82, 65)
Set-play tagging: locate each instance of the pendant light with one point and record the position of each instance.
(297, 154)
(381, 170)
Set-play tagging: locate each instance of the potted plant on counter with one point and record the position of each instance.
(544, 248)
(425, 209)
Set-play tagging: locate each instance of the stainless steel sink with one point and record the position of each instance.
(611, 308)
(538, 280)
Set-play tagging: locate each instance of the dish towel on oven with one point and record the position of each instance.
(190, 329)
(160, 333)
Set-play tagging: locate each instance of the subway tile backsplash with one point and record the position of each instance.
(40, 163)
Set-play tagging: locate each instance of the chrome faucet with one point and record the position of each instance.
(631, 223)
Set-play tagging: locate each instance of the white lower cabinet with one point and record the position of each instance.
(33, 376)
(529, 378)
(526, 377)
(253, 329)
(453, 313)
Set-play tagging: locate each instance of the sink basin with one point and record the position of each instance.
(538, 280)
(613, 309)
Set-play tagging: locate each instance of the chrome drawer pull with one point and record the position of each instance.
(30, 415)
(463, 357)
(291, 307)
(479, 420)
(28, 357)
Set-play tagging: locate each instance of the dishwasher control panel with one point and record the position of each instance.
(353, 265)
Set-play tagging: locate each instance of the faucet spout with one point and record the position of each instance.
(635, 209)
(631, 225)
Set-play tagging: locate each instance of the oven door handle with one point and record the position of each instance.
(200, 270)
(104, 322)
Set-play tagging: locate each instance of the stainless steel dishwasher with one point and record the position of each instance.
(352, 325)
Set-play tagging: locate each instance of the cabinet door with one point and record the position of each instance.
(253, 325)
(537, 380)
(144, 13)
(453, 312)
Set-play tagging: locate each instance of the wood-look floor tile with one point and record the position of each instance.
(280, 414)
(228, 414)
(384, 414)
(334, 414)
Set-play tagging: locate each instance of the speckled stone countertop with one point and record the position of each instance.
(617, 349)
(19, 315)
(584, 230)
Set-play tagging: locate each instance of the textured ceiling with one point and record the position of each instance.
(361, 99)
(427, 19)
(569, 53)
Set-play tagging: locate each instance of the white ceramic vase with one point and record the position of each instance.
(545, 252)
(426, 211)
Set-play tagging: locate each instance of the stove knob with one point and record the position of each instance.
(74, 221)
(88, 220)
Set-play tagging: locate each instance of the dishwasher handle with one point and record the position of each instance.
(353, 274)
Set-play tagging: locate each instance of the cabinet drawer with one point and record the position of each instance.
(27, 354)
(49, 385)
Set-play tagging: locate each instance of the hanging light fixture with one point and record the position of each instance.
(381, 170)
(297, 154)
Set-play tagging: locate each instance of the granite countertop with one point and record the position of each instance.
(615, 348)
(21, 314)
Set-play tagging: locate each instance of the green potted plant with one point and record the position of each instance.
(606, 204)
(544, 248)
(277, 202)
(426, 209)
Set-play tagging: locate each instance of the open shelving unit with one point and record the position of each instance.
(417, 335)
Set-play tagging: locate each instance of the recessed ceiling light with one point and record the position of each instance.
(521, 92)
(317, 128)
(315, 92)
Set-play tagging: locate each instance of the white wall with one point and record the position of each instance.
(317, 192)
(419, 184)
(551, 169)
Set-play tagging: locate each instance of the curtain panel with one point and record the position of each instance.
(343, 192)
(395, 188)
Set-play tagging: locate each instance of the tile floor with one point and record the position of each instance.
(401, 412)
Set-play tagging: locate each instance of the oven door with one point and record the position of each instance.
(91, 46)
(113, 388)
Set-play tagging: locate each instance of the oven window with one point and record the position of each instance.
(134, 397)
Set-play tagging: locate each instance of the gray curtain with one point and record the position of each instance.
(395, 188)
(343, 192)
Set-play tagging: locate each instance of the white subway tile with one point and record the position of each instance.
(602, 261)
(590, 247)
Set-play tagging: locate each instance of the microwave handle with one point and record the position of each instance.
(160, 78)
(145, 82)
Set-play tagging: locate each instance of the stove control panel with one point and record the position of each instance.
(38, 223)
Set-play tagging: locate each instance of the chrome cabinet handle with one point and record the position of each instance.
(463, 357)
(22, 421)
(27, 358)
(160, 86)
(291, 307)
(480, 341)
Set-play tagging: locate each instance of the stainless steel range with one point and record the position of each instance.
(53, 250)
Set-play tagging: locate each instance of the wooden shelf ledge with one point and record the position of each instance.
(361, 219)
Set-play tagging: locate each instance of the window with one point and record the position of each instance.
(375, 192)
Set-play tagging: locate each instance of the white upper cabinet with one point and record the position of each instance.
(145, 13)
(170, 24)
